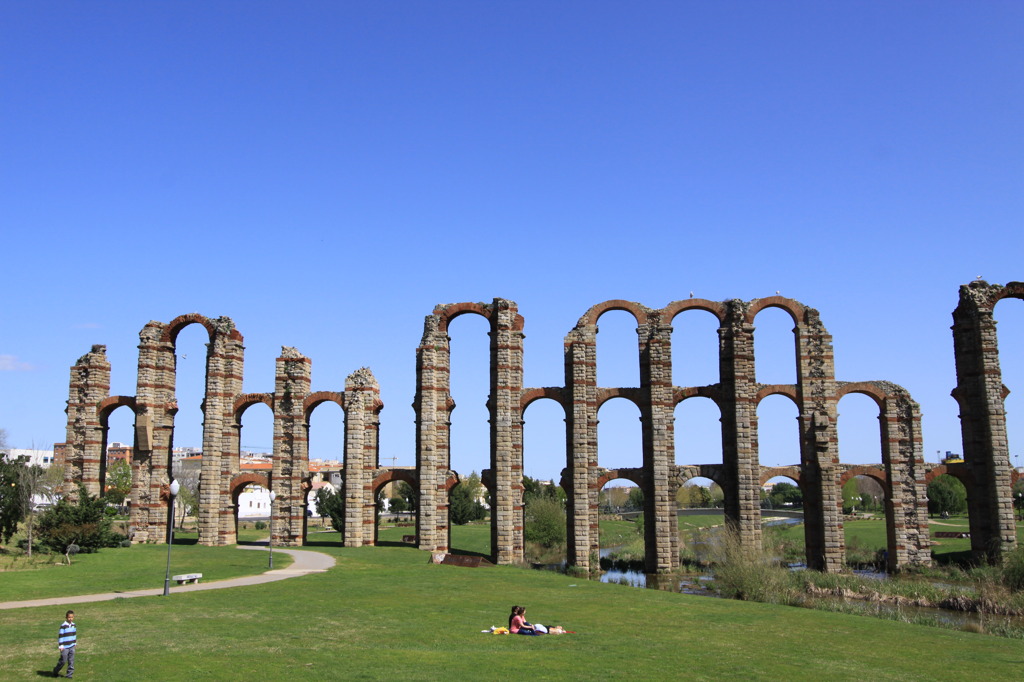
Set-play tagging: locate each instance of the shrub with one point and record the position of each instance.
(1013, 570)
(544, 522)
(747, 573)
(260, 525)
(85, 524)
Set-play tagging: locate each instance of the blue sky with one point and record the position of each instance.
(325, 173)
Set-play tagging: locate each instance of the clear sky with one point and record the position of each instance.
(326, 172)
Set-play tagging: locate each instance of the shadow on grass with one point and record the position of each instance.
(323, 543)
(964, 559)
(466, 552)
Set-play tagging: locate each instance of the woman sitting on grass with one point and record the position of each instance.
(517, 624)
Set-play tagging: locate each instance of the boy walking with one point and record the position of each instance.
(67, 637)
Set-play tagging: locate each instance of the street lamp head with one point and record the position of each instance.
(175, 487)
(273, 496)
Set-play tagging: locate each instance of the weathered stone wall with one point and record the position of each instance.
(980, 393)
(290, 459)
(89, 385)
(362, 420)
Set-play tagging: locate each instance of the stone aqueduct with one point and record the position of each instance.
(986, 472)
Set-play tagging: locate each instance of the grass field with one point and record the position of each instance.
(386, 613)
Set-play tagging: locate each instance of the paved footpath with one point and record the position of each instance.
(305, 562)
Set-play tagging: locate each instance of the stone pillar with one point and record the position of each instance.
(907, 501)
(224, 367)
(362, 406)
(506, 432)
(155, 407)
(581, 445)
(291, 447)
(980, 394)
(740, 470)
(819, 445)
(89, 385)
(657, 417)
(432, 405)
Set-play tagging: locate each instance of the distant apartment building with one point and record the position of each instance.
(43, 458)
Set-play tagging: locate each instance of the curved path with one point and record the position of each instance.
(305, 562)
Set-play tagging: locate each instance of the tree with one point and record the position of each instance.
(85, 524)
(947, 494)
(784, 493)
(119, 481)
(188, 495)
(11, 511)
(463, 505)
(408, 493)
(544, 522)
(396, 504)
(32, 483)
(635, 500)
(331, 504)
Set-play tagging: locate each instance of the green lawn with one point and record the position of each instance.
(131, 568)
(387, 613)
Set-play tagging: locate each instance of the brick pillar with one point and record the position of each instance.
(819, 448)
(740, 471)
(581, 445)
(291, 447)
(89, 385)
(224, 366)
(156, 406)
(907, 501)
(506, 423)
(660, 519)
(230, 463)
(362, 405)
(980, 393)
(432, 406)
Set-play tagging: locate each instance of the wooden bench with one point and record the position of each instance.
(187, 578)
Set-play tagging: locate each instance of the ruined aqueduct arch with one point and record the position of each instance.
(979, 392)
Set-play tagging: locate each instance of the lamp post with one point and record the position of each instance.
(270, 543)
(173, 489)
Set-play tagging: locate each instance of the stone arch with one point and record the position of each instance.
(631, 474)
(104, 409)
(316, 398)
(392, 475)
(868, 388)
(787, 390)
(768, 473)
(633, 395)
(876, 473)
(714, 393)
(446, 313)
(795, 309)
(639, 312)
(957, 471)
(669, 312)
(110, 404)
(247, 400)
(239, 481)
(531, 395)
(222, 325)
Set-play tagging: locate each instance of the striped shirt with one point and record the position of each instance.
(68, 635)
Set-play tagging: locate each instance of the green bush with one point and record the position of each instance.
(1013, 570)
(260, 525)
(544, 522)
(85, 524)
